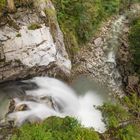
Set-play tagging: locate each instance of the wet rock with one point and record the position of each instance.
(48, 101)
(11, 106)
(21, 107)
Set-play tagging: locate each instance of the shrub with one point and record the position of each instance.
(55, 128)
(111, 6)
(113, 114)
(134, 39)
(120, 123)
(18, 35)
(129, 132)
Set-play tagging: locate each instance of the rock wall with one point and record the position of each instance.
(130, 79)
(31, 43)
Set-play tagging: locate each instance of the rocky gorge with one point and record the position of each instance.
(32, 44)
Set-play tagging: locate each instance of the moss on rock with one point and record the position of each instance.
(34, 26)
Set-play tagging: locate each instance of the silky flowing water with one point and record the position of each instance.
(55, 98)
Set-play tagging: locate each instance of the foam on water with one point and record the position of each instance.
(65, 103)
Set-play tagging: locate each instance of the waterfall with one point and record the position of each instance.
(113, 39)
(55, 98)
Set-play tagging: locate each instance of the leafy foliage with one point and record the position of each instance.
(2, 2)
(130, 132)
(120, 122)
(134, 39)
(132, 102)
(111, 6)
(55, 128)
(113, 114)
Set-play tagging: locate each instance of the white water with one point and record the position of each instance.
(114, 39)
(66, 103)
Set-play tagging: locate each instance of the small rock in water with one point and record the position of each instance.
(21, 107)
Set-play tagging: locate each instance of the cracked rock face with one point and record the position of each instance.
(25, 51)
(34, 47)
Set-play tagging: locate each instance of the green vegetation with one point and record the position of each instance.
(55, 128)
(134, 39)
(80, 19)
(111, 6)
(2, 6)
(113, 114)
(123, 120)
(18, 35)
(34, 26)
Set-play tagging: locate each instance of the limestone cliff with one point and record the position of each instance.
(31, 43)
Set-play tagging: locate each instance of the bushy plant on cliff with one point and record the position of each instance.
(120, 122)
(111, 6)
(134, 39)
(55, 128)
(113, 114)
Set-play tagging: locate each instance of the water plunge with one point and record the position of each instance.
(55, 98)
